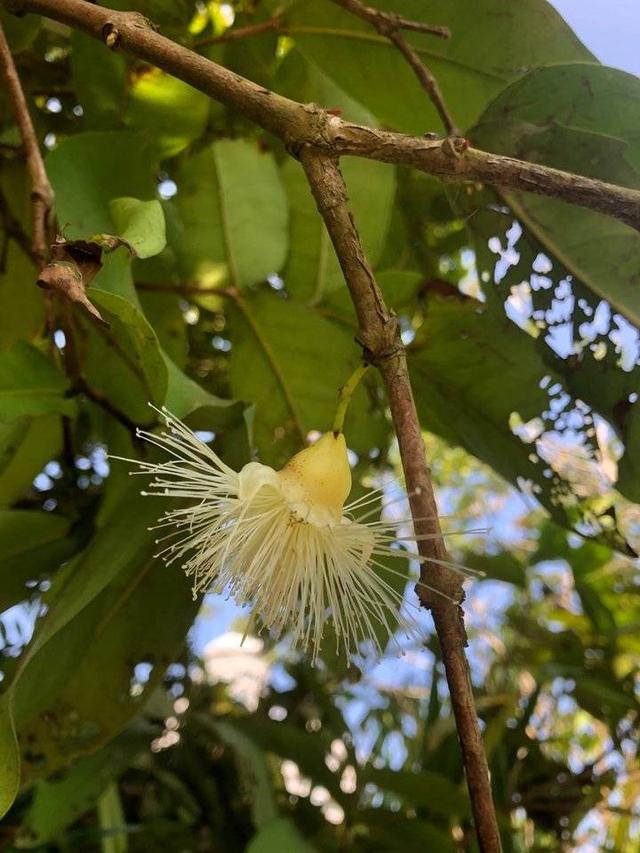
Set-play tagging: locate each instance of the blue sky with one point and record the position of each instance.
(609, 28)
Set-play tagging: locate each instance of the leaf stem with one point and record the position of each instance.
(345, 394)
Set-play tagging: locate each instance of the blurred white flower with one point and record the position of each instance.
(242, 666)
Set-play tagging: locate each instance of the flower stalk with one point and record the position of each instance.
(345, 394)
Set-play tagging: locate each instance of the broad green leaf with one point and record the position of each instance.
(312, 272)
(629, 466)
(397, 832)
(21, 32)
(22, 315)
(301, 80)
(30, 384)
(185, 397)
(168, 113)
(431, 790)
(204, 411)
(22, 302)
(471, 67)
(474, 372)
(278, 348)
(26, 445)
(502, 566)
(277, 836)
(32, 544)
(82, 677)
(252, 767)
(576, 117)
(9, 759)
(255, 59)
(89, 170)
(307, 749)
(234, 215)
(58, 803)
(104, 612)
(140, 223)
(100, 85)
(126, 365)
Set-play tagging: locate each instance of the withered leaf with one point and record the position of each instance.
(73, 266)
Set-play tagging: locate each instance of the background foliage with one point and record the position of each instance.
(520, 315)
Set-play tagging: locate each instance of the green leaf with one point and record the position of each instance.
(308, 750)
(503, 566)
(300, 80)
(127, 366)
(32, 544)
(88, 170)
(474, 372)
(30, 384)
(396, 832)
(22, 314)
(470, 68)
(100, 86)
(154, 96)
(204, 411)
(140, 223)
(252, 766)
(312, 272)
(58, 803)
(277, 836)
(576, 117)
(21, 32)
(26, 445)
(104, 611)
(278, 346)
(431, 790)
(234, 215)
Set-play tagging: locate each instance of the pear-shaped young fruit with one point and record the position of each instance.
(317, 480)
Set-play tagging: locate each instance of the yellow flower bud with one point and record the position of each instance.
(316, 481)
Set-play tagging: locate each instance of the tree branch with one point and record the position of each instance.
(41, 191)
(298, 124)
(379, 334)
(318, 139)
(391, 25)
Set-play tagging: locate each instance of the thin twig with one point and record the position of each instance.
(241, 32)
(379, 334)
(41, 191)
(391, 26)
(318, 138)
(384, 21)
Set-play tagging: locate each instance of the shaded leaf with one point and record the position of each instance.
(234, 215)
(576, 117)
(312, 272)
(30, 384)
(278, 347)
(32, 544)
(469, 68)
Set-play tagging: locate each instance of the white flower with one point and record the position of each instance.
(283, 541)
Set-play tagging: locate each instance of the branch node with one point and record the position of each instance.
(454, 146)
(110, 35)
